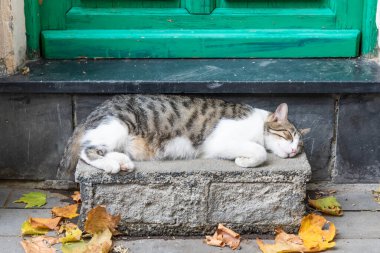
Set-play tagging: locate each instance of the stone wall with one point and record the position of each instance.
(342, 145)
(12, 36)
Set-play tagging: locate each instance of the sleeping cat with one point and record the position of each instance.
(131, 128)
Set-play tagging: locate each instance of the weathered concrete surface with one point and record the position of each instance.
(192, 197)
(358, 149)
(12, 35)
(34, 130)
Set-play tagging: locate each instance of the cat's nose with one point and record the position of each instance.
(294, 150)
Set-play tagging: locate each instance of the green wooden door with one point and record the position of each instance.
(201, 28)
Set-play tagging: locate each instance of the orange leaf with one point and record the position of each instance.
(39, 244)
(224, 236)
(98, 220)
(311, 237)
(76, 196)
(50, 223)
(69, 211)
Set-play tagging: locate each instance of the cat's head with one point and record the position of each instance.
(281, 136)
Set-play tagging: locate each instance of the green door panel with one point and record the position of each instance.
(202, 28)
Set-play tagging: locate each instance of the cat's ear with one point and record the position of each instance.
(304, 131)
(281, 113)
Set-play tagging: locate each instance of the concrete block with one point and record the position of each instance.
(192, 197)
(358, 149)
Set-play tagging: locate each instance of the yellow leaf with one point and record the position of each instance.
(69, 211)
(76, 196)
(328, 205)
(100, 242)
(98, 220)
(27, 229)
(76, 247)
(50, 223)
(311, 237)
(315, 238)
(73, 233)
(224, 236)
(39, 244)
(32, 199)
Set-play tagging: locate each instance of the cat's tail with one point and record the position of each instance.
(66, 168)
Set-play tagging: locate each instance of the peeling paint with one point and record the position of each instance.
(12, 35)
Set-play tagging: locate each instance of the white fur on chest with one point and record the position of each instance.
(228, 134)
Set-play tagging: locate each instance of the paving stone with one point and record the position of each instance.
(52, 198)
(34, 130)
(11, 244)
(358, 149)
(12, 219)
(357, 225)
(191, 198)
(352, 197)
(4, 193)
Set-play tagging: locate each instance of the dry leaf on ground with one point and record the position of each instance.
(311, 237)
(100, 242)
(98, 220)
(39, 244)
(313, 234)
(69, 211)
(76, 196)
(27, 229)
(224, 236)
(376, 195)
(50, 223)
(328, 205)
(32, 199)
(76, 247)
(72, 234)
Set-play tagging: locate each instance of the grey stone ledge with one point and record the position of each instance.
(192, 197)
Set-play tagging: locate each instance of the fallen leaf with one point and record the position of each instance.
(76, 196)
(311, 237)
(100, 242)
(32, 199)
(50, 223)
(27, 229)
(76, 247)
(72, 234)
(69, 211)
(376, 195)
(328, 205)
(283, 243)
(98, 220)
(39, 244)
(224, 236)
(316, 238)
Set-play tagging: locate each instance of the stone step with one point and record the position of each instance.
(192, 197)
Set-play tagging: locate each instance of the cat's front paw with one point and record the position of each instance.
(248, 162)
(127, 166)
(112, 167)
